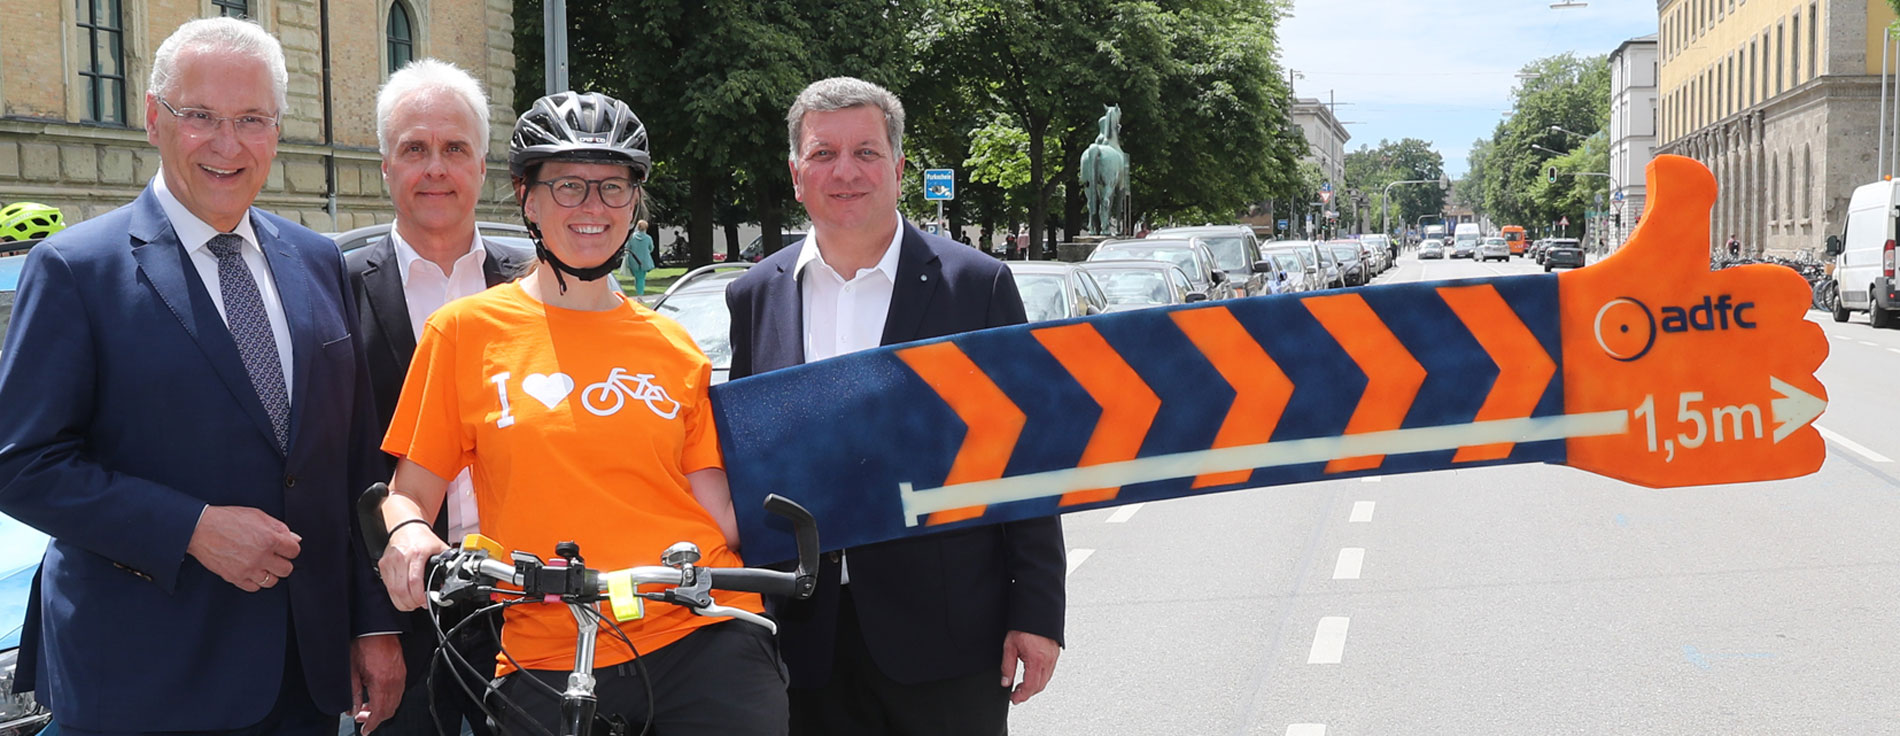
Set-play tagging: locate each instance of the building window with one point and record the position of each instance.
(233, 8)
(402, 37)
(1813, 19)
(1807, 184)
(100, 23)
(1794, 75)
(1781, 57)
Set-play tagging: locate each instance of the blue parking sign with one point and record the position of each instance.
(940, 184)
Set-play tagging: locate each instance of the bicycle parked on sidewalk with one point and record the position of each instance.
(479, 569)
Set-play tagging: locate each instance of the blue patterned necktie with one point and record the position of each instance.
(250, 328)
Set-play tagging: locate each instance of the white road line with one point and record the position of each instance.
(1893, 350)
(1077, 557)
(1123, 514)
(1306, 729)
(1361, 512)
(1329, 642)
(1868, 344)
(1852, 446)
(1350, 560)
(1840, 337)
(1371, 479)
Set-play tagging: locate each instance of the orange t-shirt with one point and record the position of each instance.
(520, 392)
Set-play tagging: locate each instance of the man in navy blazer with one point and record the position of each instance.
(188, 416)
(917, 636)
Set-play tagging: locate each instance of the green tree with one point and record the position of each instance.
(1369, 170)
(1558, 92)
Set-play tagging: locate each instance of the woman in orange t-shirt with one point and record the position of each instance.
(582, 416)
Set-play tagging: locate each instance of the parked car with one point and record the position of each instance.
(1374, 257)
(513, 237)
(1325, 266)
(1353, 270)
(1387, 250)
(9, 281)
(1300, 267)
(698, 302)
(1566, 252)
(1055, 290)
(1235, 250)
(755, 250)
(1865, 255)
(1431, 249)
(1189, 253)
(1129, 285)
(1493, 249)
(21, 548)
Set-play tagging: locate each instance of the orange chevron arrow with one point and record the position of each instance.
(1261, 389)
(1393, 376)
(1128, 404)
(1524, 367)
(991, 421)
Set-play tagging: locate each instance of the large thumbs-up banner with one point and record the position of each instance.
(1646, 367)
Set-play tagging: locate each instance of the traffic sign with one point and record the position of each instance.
(1646, 367)
(940, 184)
(1563, 221)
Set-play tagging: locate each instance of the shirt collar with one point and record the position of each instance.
(192, 232)
(406, 255)
(808, 252)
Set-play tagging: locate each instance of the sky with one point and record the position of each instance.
(1441, 71)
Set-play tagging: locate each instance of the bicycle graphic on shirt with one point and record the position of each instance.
(621, 386)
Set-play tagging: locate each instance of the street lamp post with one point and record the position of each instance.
(1385, 199)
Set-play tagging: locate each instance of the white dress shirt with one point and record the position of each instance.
(844, 316)
(196, 236)
(425, 288)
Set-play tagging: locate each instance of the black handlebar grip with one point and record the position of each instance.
(805, 530)
(752, 580)
(369, 516)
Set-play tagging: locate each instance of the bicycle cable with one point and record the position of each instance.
(638, 664)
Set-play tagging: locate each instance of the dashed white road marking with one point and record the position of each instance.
(1306, 729)
(1893, 350)
(1852, 446)
(1361, 512)
(1077, 557)
(1371, 479)
(1868, 343)
(1123, 514)
(1840, 337)
(1329, 641)
(1350, 560)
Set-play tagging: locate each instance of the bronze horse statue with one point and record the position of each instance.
(1105, 175)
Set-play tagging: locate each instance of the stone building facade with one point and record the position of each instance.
(1325, 137)
(1633, 118)
(72, 97)
(1780, 99)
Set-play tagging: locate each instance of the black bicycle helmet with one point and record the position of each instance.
(579, 126)
(583, 127)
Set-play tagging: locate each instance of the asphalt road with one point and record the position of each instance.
(1511, 600)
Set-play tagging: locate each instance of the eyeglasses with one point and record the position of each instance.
(198, 121)
(571, 191)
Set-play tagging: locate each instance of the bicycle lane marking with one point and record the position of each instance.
(1852, 446)
(1263, 674)
(1123, 513)
(1329, 640)
(1361, 512)
(1077, 557)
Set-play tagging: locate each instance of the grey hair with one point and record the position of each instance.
(842, 93)
(226, 35)
(431, 75)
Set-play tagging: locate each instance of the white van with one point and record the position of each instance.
(1464, 240)
(1865, 267)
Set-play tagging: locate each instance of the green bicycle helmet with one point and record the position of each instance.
(29, 221)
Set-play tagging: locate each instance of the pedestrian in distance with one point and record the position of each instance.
(432, 130)
(873, 650)
(188, 417)
(639, 256)
(585, 417)
(1734, 247)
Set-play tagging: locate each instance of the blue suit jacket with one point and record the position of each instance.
(936, 606)
(127, 410)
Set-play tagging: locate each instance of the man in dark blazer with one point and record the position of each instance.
(918, 636)
(187, 416)
(432, 127)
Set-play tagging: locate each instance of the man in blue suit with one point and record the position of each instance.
(916, 636)
(188, 416)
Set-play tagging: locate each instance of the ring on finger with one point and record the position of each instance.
(268, 579)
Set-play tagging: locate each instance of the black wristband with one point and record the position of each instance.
(417, 520)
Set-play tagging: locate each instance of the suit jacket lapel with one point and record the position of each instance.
(781, 337)
(382, 279)
(162, 258)
(918, 274)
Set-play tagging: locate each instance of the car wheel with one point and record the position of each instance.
(1547, 268)
(1840, 313)
(1880, 318)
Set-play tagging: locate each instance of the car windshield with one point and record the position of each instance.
(1346, 252)
(1230, 254)
(704, 315)
(1562, 244)
(1132, 286)
(1179, 256)
(1044, 296)
(1288, 262)
(1493, 241)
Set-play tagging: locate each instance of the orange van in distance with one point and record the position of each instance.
(1514, 237)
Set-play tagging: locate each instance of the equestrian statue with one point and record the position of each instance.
(1105, 176)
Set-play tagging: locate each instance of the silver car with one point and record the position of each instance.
(1189, 253)
(1130, 285)
(1053, 290)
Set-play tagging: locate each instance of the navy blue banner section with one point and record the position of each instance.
(866, 442)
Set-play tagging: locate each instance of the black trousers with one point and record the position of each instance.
(860, 701)
(721, 680)
(452, 705)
